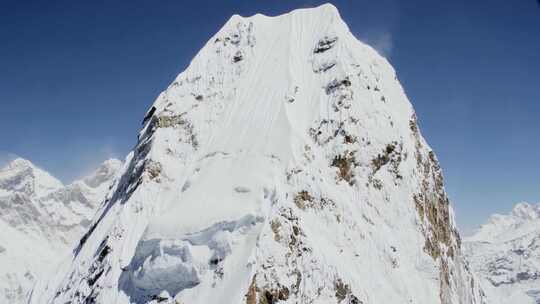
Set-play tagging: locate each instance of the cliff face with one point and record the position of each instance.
(284, 165)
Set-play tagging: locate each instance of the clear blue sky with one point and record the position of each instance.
(77, 76)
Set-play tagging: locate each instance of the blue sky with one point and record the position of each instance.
(77, 76)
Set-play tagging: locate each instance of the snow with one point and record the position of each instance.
(40, 218)
(21, 175)
(282, 165)
(505, 252)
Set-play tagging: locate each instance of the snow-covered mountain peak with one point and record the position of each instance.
(104, 173)
(285, 164)
(523, 218)
(526, 211)
(506, 253)
(22, 176)
(325, 13)
(19, 163)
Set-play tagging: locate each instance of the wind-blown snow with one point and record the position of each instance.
(40, 219)
(283, 165)
(506, 254)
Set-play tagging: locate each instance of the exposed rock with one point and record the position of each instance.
(325, 44)
(345, 163)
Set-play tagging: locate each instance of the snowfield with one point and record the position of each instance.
(505, 252)
(40, 219)
(284, 165)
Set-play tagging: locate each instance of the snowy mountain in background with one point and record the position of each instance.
(40, 220)
(505, 252)
(284, 165)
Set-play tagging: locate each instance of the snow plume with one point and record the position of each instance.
(381, 40)
(80, 158)
(86, 162)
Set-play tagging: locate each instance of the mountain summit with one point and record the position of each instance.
(284, 165)
(22, 176)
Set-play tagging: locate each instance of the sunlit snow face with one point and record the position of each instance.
(167, 265)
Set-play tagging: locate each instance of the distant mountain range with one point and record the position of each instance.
(505, 253)
(41, 219)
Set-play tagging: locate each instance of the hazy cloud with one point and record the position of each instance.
(380, 40)
(87, 160)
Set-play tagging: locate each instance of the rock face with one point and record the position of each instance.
(40, 219)
(505, 252)
(284, 165)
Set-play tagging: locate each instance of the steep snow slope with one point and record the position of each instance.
(505, 252)
(40, 219)
(283, 165)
